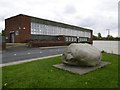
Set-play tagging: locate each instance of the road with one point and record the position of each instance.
(19, 54)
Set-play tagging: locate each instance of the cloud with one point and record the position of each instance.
(94, 14)
(69, 9)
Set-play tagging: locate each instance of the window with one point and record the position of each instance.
(81, 39)
(65, 31)
(75, 32)
(72, 38)
(89, 35)
(66, 38)
(75, 39)
(62, 31)
(82, 34)
(37, 28)
(17, 33)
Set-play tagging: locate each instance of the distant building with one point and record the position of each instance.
(23, 28)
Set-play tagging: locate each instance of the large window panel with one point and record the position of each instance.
(60, 30)
(37, 28)
(89, 35)
(68, 32)
(82, 34)
(79, 33)
(63, 31)
(74, 32)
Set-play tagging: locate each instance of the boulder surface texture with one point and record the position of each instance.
(81, 55)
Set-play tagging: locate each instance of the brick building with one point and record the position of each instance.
(23, 28)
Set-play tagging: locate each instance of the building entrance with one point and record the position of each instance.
(12, 37)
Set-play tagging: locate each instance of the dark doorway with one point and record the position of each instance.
(12, 37)
(77, 39)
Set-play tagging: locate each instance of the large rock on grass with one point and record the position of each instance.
(81, 55)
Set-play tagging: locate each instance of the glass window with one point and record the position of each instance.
(79, 33)
(62, 31)
(49, 29)
(37, 28)
(75, 32)
(65, 31)
(81, 39)
(66, 39)
(75, 39)
(72, 38)
(89, 35)
(69, 31)
(57, 31)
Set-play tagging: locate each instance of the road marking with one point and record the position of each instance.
(40, 52)
(51, 50)
(14, 54)
(29, 53)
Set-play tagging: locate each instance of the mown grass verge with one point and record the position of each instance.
(41, 74)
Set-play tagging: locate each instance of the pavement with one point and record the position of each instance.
(27, 60)
(22, 53)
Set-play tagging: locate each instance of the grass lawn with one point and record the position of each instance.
(41, 74)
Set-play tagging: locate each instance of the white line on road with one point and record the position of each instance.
(51, 50)
(15, 54)
(29, 53)
(40, 52)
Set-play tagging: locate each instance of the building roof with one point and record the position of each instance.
(53, 23)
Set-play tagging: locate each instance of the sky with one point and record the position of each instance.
(98, 15)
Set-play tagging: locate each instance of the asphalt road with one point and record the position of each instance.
(18, 54)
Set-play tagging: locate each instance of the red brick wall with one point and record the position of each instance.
(17, 23)
(45, 43)
(3, 45)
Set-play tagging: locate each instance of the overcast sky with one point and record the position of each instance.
(98, 15)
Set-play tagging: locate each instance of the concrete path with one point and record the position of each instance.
(27, 60)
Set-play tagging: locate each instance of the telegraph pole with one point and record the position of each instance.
(108, 32)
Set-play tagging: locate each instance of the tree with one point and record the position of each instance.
(117, 38)
(95, 37)
(3, 32)
(110, 37)
(99, 36)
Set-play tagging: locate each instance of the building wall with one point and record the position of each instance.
(19, 26)
(26, 28)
